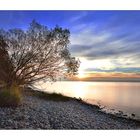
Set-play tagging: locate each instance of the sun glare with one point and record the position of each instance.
(81, 74)
(103, 64)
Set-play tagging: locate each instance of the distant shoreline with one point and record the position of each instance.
(95, 81)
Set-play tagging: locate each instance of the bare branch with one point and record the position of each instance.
(35, 54)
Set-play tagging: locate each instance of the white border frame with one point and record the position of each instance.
(69, 4)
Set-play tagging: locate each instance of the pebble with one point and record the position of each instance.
(35, 113)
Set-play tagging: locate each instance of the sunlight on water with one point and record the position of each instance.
(123, 96)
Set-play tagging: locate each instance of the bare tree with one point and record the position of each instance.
(36, 54)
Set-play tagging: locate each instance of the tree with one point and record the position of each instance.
(36, 54)
(5, 66)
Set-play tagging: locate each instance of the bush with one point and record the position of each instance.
(10, 97)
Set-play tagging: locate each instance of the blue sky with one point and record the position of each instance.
(105, 41)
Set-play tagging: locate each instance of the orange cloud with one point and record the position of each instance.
(107, 76)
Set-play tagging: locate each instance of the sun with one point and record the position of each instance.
(81, 74)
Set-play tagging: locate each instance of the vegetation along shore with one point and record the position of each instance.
(40, 110)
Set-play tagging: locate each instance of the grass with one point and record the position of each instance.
(52, 96)
(10, 97)
(57, 97)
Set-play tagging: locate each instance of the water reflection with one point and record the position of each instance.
(118, 95)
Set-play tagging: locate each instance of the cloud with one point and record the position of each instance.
(89, 44)
(124, 70)
(110, 52)
(78, 16)
(88, 37)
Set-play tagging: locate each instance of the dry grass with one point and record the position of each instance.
(10, 97)
(52, 96)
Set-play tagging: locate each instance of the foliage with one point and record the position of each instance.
(10, 96)
(36, 54)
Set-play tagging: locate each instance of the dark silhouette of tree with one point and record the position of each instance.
(35, 54)
(5, 64)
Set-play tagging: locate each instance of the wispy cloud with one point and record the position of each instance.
(106, 52)
(106, 41)
(78, 16)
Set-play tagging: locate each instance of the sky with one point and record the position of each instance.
(106, 42)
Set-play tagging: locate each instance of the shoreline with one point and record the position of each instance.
(118, 113)
(121, 81)
(41, 110)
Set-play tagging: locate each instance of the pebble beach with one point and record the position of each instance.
(36, 113)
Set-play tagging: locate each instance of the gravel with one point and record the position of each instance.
(35, 113)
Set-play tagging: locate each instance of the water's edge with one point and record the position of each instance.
(113, 112)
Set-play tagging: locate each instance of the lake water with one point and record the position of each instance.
(123, 96)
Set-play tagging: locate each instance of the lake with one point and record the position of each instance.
(115, 96)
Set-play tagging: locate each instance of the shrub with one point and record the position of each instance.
(10, 97)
